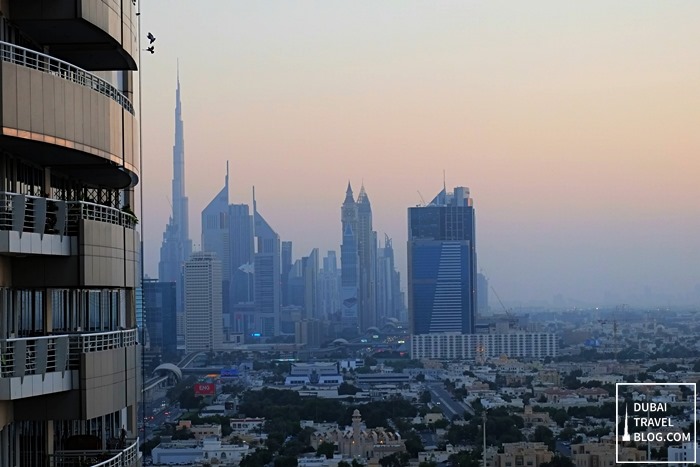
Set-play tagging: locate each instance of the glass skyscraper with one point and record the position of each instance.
(442, 264)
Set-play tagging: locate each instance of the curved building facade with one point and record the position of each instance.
(69, 244)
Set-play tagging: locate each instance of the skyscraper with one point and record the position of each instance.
(442, 264)
(176, 247)
(358, 262)
(215, 237)
(482, 293)
(389, 302)
(311, 292)
(267, 277)
(367, 253)
(286, 267)
(161, 315)
(69, 242)
(241, 250)
(349, 264)
(203, 306)
(215, 228)
(329, 286)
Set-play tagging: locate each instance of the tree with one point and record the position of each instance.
(464, 459)
(397, 459)
(286, 461)
(559, 461)
(343, 464)
(347, 389)
(420, 377)
(544, 435)
(413, 444)
(258, 458)
(425, 397)
(325, 449)
(567, 434)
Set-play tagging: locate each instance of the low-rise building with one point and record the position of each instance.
(533, 419)
(520, 454)
(246, 425)
(683, 455)
(456, 346)
(599, 454)
(191, 452)
(359, 441)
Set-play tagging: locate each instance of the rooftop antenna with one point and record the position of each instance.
(444, 184)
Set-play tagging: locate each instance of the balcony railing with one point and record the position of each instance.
(99, 341)
(45, 354)
(33, 355)
(45, 63)
(24, 213)
(127, 457)
(96, 212)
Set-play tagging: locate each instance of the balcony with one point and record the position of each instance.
(37, 366)
(94, 34)
(32, 225)
(127, 457)
(56, 114)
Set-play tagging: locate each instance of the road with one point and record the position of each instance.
(449, 406)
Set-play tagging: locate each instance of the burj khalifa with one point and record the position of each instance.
(177, 246)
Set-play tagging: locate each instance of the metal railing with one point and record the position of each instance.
(127, 457)
(33, 355)
(24, 213)
(86, 210)
(99, 341)
(45, 63)
(26, 356)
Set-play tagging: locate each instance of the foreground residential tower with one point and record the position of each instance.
(69, 162)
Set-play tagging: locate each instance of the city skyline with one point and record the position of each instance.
(580, 153)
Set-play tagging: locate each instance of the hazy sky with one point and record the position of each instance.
(573, 123)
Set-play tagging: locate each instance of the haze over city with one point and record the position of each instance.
(573, 125)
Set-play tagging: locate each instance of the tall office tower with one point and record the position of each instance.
(241, 250)
(69, 246)
(388, 283)
(367, 253)
(482, 293)
(349, 264)
(215, 237)
(215, 229)
(161, 316)
(329, 286)
(267, 277)
(203, 303)
(295, 284)
(311, 292)
(442, 264)
(286, 267)
(176, 247)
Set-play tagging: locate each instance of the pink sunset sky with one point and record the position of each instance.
(576, 126)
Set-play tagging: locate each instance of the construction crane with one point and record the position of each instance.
(512, 320)
(422, 201)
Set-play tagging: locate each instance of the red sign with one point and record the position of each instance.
(204, 389)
